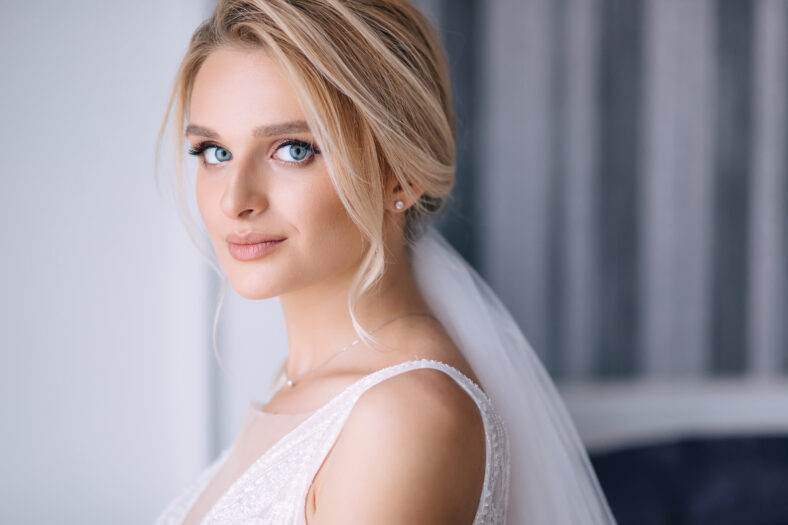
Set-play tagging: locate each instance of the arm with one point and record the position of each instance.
(411, 452)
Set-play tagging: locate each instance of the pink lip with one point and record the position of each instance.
(252, 238)
(251, 245)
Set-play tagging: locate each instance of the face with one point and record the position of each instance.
(263, 189)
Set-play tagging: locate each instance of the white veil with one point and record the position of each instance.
(551, 479)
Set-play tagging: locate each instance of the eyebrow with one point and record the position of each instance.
(268, 130)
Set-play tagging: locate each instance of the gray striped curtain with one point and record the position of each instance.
(622, 178)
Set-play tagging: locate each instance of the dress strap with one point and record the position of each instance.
(381, 375)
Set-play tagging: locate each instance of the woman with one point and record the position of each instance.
(325, 135)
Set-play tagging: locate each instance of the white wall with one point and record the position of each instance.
(103, 317)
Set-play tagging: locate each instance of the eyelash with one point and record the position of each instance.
(202, 146)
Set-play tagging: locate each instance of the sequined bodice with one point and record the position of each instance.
(274, 488)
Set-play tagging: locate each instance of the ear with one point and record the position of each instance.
(395, 193)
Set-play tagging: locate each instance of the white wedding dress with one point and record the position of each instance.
(273, 490)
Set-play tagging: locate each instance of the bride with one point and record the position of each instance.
(325, 138)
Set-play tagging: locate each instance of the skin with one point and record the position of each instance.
(391, 464)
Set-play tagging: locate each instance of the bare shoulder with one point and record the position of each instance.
(424, 401)
(411, 451)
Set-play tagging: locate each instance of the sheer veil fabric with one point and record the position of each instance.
(551, 478)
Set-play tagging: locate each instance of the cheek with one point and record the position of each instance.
(207, 203)
(328, 228)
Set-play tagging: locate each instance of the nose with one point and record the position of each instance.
(245, 194)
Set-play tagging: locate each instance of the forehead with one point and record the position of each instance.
(237, 90)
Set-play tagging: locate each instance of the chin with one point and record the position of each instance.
(253, 288)
(254, 294)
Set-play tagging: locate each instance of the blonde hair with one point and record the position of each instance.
(373, 81)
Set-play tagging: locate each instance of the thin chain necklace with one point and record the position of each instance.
(291, 381)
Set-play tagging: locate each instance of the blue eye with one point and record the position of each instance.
(216, 155)
(211, 154)
(295, 151)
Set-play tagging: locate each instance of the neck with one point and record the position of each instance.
(318, 321)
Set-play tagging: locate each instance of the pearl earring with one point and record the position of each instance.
(399, 204)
